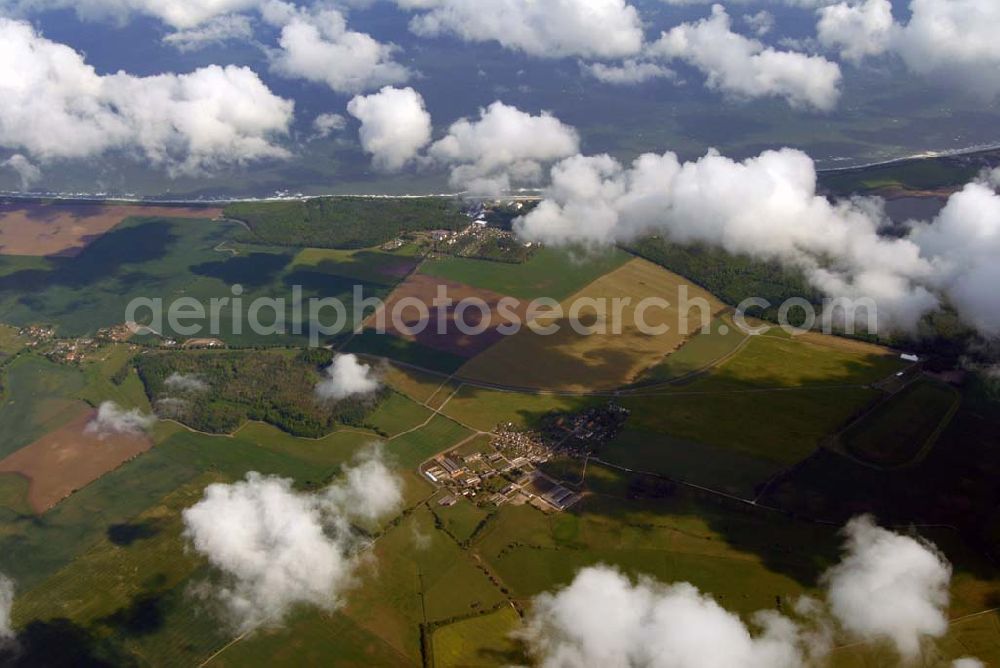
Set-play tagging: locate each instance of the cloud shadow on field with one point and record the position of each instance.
(58, 643)
(131, 245)
(126, 534)
(254, 270)
(143, 616)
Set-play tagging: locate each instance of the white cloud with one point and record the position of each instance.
(347, 377)
(766, 206)
(504, 145)
(58, 107)
(887, 586)
(954, 40)
(316, 45)
(27, 171)
(967, 662)
(628, 72)
(225, 28)
(858, 30)
(746, 68)
(761, 22)
(181, 14)
(603, 619)
(368, 490)
(6, 603)
(550, 29)
(278, 548)
(395, 125)
(951, 41)
(964, 242)
(185, 382)
(113, 419)
(326, 124)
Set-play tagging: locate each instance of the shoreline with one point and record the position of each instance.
(524, 194)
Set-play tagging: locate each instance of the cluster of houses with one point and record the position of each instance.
(588, 429)
(42, 338)
(507, 471)
(499, 474)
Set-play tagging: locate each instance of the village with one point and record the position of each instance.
(510, 468)
(488, 236)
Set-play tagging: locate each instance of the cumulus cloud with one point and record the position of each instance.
(347, 377)
(964, 242)
(325, 125)
(761, 22)
(502, 146)
(317, 45)
(551, 29)
(6, 603)
(185, 382)
(181, 14)
(277, 548)
(56, 106)
(628, 72)
(603, 619)
(113, 419)
(858, 30)
(952, 41)
(746, 68)
(395, 126)
(887, 586)
(27, 171)
(768, 207)
(765, 206)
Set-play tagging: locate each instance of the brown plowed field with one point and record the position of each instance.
(64, 230)
(69, 459)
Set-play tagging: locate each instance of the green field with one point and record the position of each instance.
(10, 341)
(723, 468)
(485, 409)
(781, 427)
(14, 494)
(409, 352)
(417, 385)
(477, 641)
(674, 537)
(422, 577)
(549, 273)
(397, 414)
(437, 436)
(313, 638)
(899, 429)
(38, 396)
(697, 353)
(167, 259)
(462, 520)
(772, 361)
(369, 266)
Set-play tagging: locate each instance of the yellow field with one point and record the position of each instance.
(569, 360)
(477, 640)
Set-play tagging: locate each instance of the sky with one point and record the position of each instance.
(237, 98)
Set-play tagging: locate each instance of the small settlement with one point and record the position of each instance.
(509, 468)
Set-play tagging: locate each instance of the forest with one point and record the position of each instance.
(222, 390)
(346, 223)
